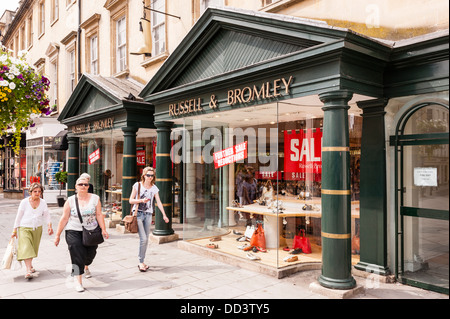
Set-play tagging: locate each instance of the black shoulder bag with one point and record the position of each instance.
(90, 237)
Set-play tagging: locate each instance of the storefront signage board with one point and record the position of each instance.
(94, 156)
(248, 94)
(94, 126)
(230, 155)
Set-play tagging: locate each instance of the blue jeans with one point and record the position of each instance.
(144, 221)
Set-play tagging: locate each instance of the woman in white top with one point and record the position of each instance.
(143, 204)
(91, 213)
(32, 213)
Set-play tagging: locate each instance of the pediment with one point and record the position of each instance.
(97, 94)
(225, 40)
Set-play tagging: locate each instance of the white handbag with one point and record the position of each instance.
(249, 231)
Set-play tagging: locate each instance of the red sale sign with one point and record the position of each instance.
(302, 154)
(94, 156)
(230, 155)
(140, 155)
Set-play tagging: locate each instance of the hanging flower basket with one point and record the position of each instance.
(22, 96)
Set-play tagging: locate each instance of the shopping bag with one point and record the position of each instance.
(258, 238)
(9, 255)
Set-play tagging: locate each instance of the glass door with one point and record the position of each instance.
(423, 218)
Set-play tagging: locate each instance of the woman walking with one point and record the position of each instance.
(91, 212)
(143, 204)
(32, 212)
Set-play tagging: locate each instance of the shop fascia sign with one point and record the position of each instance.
(248, 94)
(95, 126)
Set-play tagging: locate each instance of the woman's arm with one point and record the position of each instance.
(101, 219)
(62, 222)
(19, 216)
(161, 208)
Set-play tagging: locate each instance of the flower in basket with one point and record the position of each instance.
(22, 95)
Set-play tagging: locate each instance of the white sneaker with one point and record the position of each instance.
(87, 273)
(78, 287)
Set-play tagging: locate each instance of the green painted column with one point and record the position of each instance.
(129, 167)
(73, 163)
(336, 206)
(373, 207)
(163, 178)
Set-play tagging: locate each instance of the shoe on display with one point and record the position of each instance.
(252, 256)
(290, 258)
(212, 246)
(237, 232)
(248, 248)
(242, 247)
(261, 249)
(296, 251)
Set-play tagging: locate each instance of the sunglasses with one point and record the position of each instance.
(85, 185)
(149, 175)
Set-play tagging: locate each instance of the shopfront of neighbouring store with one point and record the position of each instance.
(283, 131)
(109, 137)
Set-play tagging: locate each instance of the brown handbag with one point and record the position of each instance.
(130, 221)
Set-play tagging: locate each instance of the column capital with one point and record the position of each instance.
(130, 129)
(163, 125)
(373, 107)
(335, 99)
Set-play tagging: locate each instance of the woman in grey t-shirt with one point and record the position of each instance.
(143, 209)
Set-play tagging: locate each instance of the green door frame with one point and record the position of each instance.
(399, 140)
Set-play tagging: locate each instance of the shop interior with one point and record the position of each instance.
(101, 156)
(283, 186)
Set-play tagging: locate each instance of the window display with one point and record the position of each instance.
(262, 180)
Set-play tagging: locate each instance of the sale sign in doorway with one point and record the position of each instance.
(94, 156)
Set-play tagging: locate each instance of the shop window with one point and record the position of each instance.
(261, 165)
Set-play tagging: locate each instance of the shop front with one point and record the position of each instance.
(111, 137)
(45, 157)
(278, 126)
(13, 167)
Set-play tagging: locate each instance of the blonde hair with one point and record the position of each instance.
(34, 186)
(145, 171)
(81, 178)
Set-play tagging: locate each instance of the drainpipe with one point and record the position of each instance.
(79, 41)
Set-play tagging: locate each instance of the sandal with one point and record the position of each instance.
(212, 246)
(142, 269)
(261, 249)
(29, 276)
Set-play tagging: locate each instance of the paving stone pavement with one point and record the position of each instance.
(173, 274)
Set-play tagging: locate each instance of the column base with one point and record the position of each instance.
(341, 284)
(372, 268)
(163, 239)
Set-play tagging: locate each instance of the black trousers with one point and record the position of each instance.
(80, 255)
